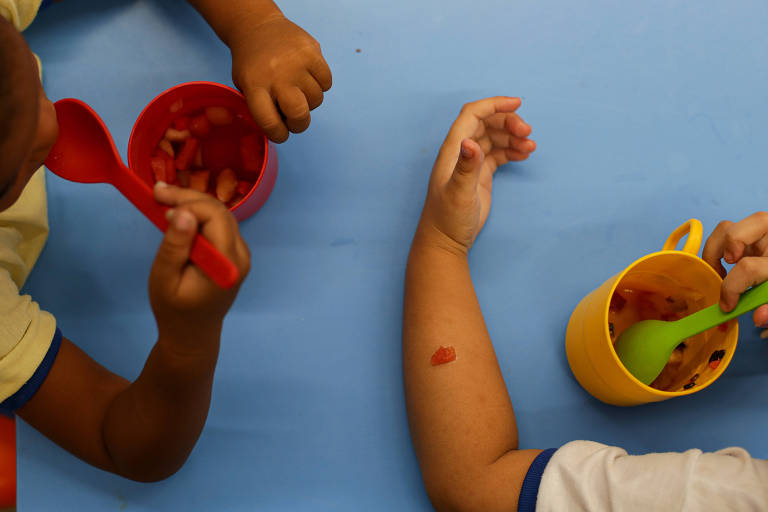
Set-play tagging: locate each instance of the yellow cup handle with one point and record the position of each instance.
(694, 229)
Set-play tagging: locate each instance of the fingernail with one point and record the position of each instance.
(161, 184)
(728, 256)
(764, 334)
(466, 152)
(184, 221)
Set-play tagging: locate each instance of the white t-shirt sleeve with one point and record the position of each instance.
(589, 476)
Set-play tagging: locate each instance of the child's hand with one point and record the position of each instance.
(183, 298)
(744, 244)
(282, 72)
(487, 134)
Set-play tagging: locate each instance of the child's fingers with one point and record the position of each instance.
(747, 272)
(477, 111)
(173, 196)
(760, 316)
(265, 114)
(509, 122)
(173, 253)
(312, 91)
(204, 207)
(503, 139)
(744, 233)
(466, 173)
(713, 247)
(319, 69)
(294, 106)
(503, 156)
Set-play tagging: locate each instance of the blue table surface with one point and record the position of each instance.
(646, 114)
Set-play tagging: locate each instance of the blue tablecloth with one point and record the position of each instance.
(646, 114)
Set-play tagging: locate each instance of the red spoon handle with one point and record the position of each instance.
(215, 265)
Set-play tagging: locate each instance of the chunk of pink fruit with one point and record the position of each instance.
(175, 135)
(226, 183)
(219, 116)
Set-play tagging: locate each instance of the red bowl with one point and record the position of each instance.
(156, 117)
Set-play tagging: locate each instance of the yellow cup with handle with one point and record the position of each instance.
(590, 335)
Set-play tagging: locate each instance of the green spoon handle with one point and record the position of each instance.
(713, 315)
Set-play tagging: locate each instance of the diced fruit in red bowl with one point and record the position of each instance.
(200, 126)
(201, 136)
(163, 167)
(181, 123)
(198, 180)
(187, 153)
(219, 116)
(182, 177)
(174, 135)
(226, 183)
(243, 187)
(167, 147)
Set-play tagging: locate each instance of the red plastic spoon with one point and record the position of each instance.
(86, 153)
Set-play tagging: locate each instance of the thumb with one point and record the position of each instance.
(467, 171)
(173, 254)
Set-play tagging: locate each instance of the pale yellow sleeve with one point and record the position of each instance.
(25, 330)
(19, 12)
(26, 333)
(24, 229)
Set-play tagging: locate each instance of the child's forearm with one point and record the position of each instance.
(228, 16)
(151, 428)
(461, 419)
(143, 430)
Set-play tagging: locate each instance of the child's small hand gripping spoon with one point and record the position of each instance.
(645, 347)
(86, 153)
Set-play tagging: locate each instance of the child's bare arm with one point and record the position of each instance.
(145, 430)
(462, 422)
(278, 66)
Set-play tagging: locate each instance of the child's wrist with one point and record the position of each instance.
(189, 337)
(245, 24)
(428, 236)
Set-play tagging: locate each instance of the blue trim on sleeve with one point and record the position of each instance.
(530, 491)
(28, 390)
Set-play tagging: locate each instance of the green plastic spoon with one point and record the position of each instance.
(645, 347)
